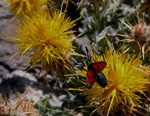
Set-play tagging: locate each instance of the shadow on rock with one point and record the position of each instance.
(11, 86)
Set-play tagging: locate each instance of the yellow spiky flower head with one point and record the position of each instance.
(125, 78)
(47, 37)
(25, 6)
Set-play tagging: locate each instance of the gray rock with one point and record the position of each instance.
(4, 11)
(3, 71)
(5, 18)
(7, 50)
(19, 81)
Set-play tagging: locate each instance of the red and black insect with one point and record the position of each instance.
(94, 74)
(101, 80)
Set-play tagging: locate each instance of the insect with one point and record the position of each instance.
(101, 80)
(94, 74)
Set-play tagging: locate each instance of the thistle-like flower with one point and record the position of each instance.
(25, 6)
(125, 82)
(18, 107)
(46, 38)
(5, 108)
(25, 108)
(139, 37)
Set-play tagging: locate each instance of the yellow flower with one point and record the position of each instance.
(25, 6)
(46, 38)
(125, 78)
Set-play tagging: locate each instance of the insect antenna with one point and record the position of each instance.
(87, 53)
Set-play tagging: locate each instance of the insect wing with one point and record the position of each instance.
(92, 73)
(91, 77)
(101, 80)
(99, 66)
